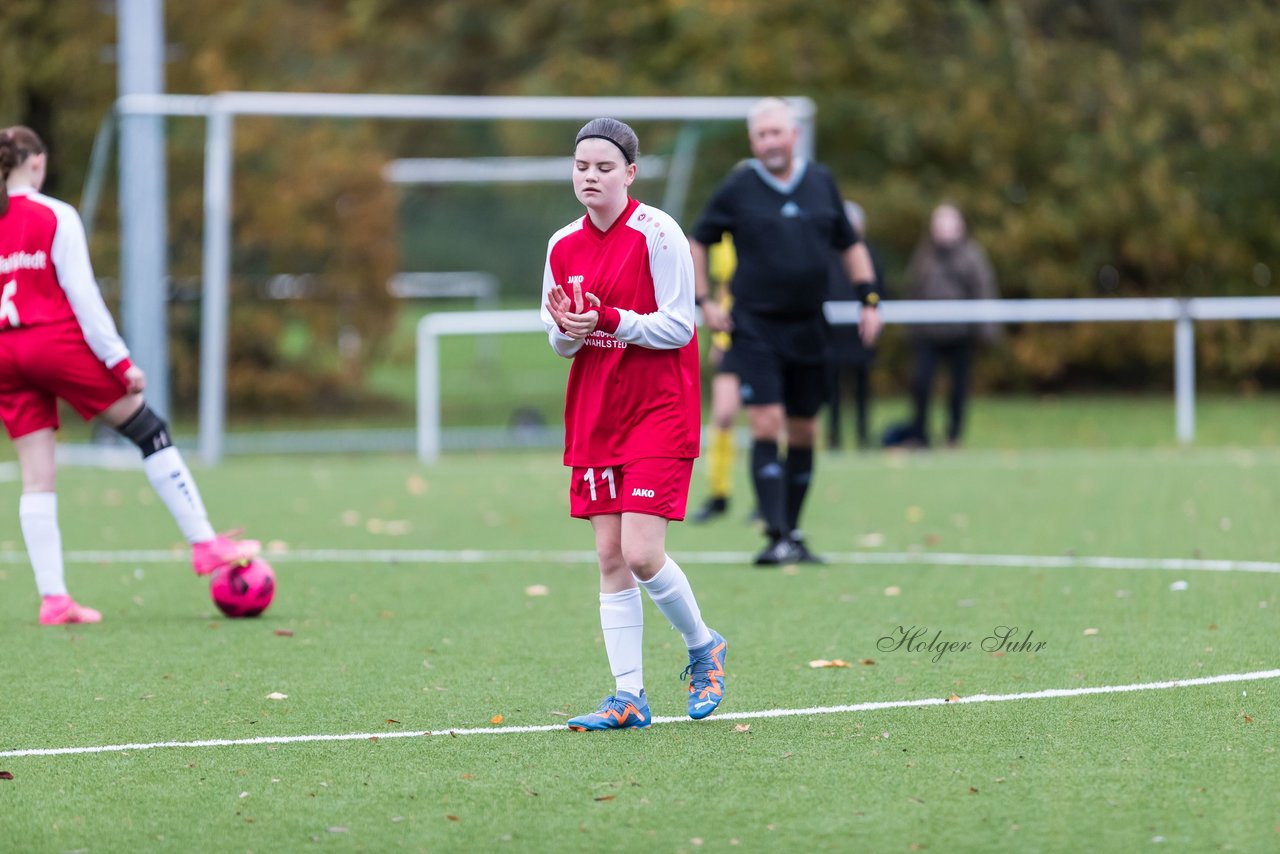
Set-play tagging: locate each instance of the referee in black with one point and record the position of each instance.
(787, 217)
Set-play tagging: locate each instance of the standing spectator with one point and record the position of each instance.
(57, 340)
(786, 217)
(851, 359)
(946, 265)
(618, 301)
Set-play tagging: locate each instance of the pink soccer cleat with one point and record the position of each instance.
(63, 610)
(222, 550)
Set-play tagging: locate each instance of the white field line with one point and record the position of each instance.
(126, 457)
(1049, 693)
(514, 556)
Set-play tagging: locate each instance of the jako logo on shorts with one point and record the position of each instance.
(642, 493)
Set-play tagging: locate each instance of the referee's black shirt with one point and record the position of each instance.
(783, 234)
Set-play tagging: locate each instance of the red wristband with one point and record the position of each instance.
(608, 320)
(120, 368)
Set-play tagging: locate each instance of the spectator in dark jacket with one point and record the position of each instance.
(946, 265)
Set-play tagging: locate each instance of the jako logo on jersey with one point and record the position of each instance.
(642, 493)
(575, 280)
(23, 261)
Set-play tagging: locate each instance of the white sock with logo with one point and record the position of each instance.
(38, 514)
(622, 619)
(173, 482)
(670, 591)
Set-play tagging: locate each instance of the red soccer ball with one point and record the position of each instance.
(243, 591)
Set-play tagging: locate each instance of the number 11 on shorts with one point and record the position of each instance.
(605, 475)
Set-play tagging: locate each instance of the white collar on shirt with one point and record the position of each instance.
(798, 167)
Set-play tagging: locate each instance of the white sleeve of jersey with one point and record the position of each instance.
(671, 326)
(75, 273)
(562, 344)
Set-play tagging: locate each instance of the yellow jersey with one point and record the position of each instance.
(722, 260)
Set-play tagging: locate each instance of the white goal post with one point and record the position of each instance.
(221, 110)
(1181, 312)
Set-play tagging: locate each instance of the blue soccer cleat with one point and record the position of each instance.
(625, 711)
(706, 676)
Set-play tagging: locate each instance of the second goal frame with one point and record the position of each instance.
(221, 109)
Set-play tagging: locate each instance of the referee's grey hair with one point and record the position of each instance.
(770, 105)
(619, 133)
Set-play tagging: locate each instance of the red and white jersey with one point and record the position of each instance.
(46, 277)
(633, 389)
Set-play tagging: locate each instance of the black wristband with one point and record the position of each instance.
(866, 293)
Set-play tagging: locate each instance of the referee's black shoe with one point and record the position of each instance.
(781, 550)
(803, 555)
(715, 507)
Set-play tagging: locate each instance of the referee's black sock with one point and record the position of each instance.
(767, 474)
(799, 473)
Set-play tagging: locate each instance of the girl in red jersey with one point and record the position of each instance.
(57, 340)
(618, 301)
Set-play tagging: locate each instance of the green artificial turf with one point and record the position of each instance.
(372, 644)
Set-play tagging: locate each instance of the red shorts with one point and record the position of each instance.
(38, 365)
(658, 486)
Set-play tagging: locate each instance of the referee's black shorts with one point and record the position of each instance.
(781, 360)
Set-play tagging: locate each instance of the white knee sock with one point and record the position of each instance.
(670, 591)
(622, 619)
(176, 487)
(38, 513)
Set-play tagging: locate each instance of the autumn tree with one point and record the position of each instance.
(1098, 148)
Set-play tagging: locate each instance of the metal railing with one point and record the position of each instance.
(1183, 313)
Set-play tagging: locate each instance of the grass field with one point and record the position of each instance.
(405, 591)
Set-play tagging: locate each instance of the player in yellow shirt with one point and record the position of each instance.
(726, 399)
